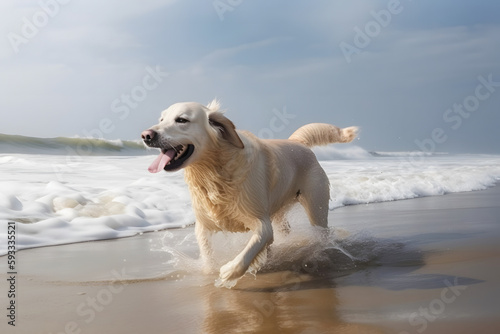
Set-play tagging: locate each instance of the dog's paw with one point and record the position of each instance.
(231, 270)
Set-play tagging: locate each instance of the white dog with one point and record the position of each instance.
(239, 182)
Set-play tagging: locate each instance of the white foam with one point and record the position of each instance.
(389, 179)
(407, 154)
(340, 152)
(92, 199)
(59, 199)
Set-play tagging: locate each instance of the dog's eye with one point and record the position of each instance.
(161, 120)
(181, 120)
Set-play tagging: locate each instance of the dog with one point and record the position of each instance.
(239, 182)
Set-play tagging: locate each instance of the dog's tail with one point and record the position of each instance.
(316, 134)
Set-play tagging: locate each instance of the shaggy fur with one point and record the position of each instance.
(239, 182)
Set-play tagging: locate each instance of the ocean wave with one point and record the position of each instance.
(57, 200)
(81, 146)
(340, 152)
(70, 146)
(363, 182)
(405, 154)
(353, 152)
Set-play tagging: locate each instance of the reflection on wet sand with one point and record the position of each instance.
(280, 302)
(414, 275)
(296, 291)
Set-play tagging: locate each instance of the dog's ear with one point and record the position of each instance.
(226, 128)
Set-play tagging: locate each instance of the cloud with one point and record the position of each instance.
(262, 56)
(229, 53)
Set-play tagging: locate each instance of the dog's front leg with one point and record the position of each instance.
(203, 237)
(262, 237)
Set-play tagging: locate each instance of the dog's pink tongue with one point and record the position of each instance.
(162, 160)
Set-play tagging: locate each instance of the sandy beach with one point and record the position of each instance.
(425, 265)
(123, 122)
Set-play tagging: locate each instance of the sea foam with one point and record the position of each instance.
(60, 198)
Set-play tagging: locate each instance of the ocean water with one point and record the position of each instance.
(68, 190)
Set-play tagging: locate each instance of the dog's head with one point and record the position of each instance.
(186, 132)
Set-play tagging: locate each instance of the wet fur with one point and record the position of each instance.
(239, 182)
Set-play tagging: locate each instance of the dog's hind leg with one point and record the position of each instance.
(314, 197)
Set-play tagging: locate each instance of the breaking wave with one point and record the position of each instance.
(70, 146)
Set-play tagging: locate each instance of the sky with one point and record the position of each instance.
(412, 74)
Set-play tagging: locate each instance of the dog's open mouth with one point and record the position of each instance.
(171, 158)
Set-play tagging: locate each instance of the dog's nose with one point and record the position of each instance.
(148, 135)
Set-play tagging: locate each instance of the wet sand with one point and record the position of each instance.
(426, 265)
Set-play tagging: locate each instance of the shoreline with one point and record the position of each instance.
(427, 264)
(193, 223)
